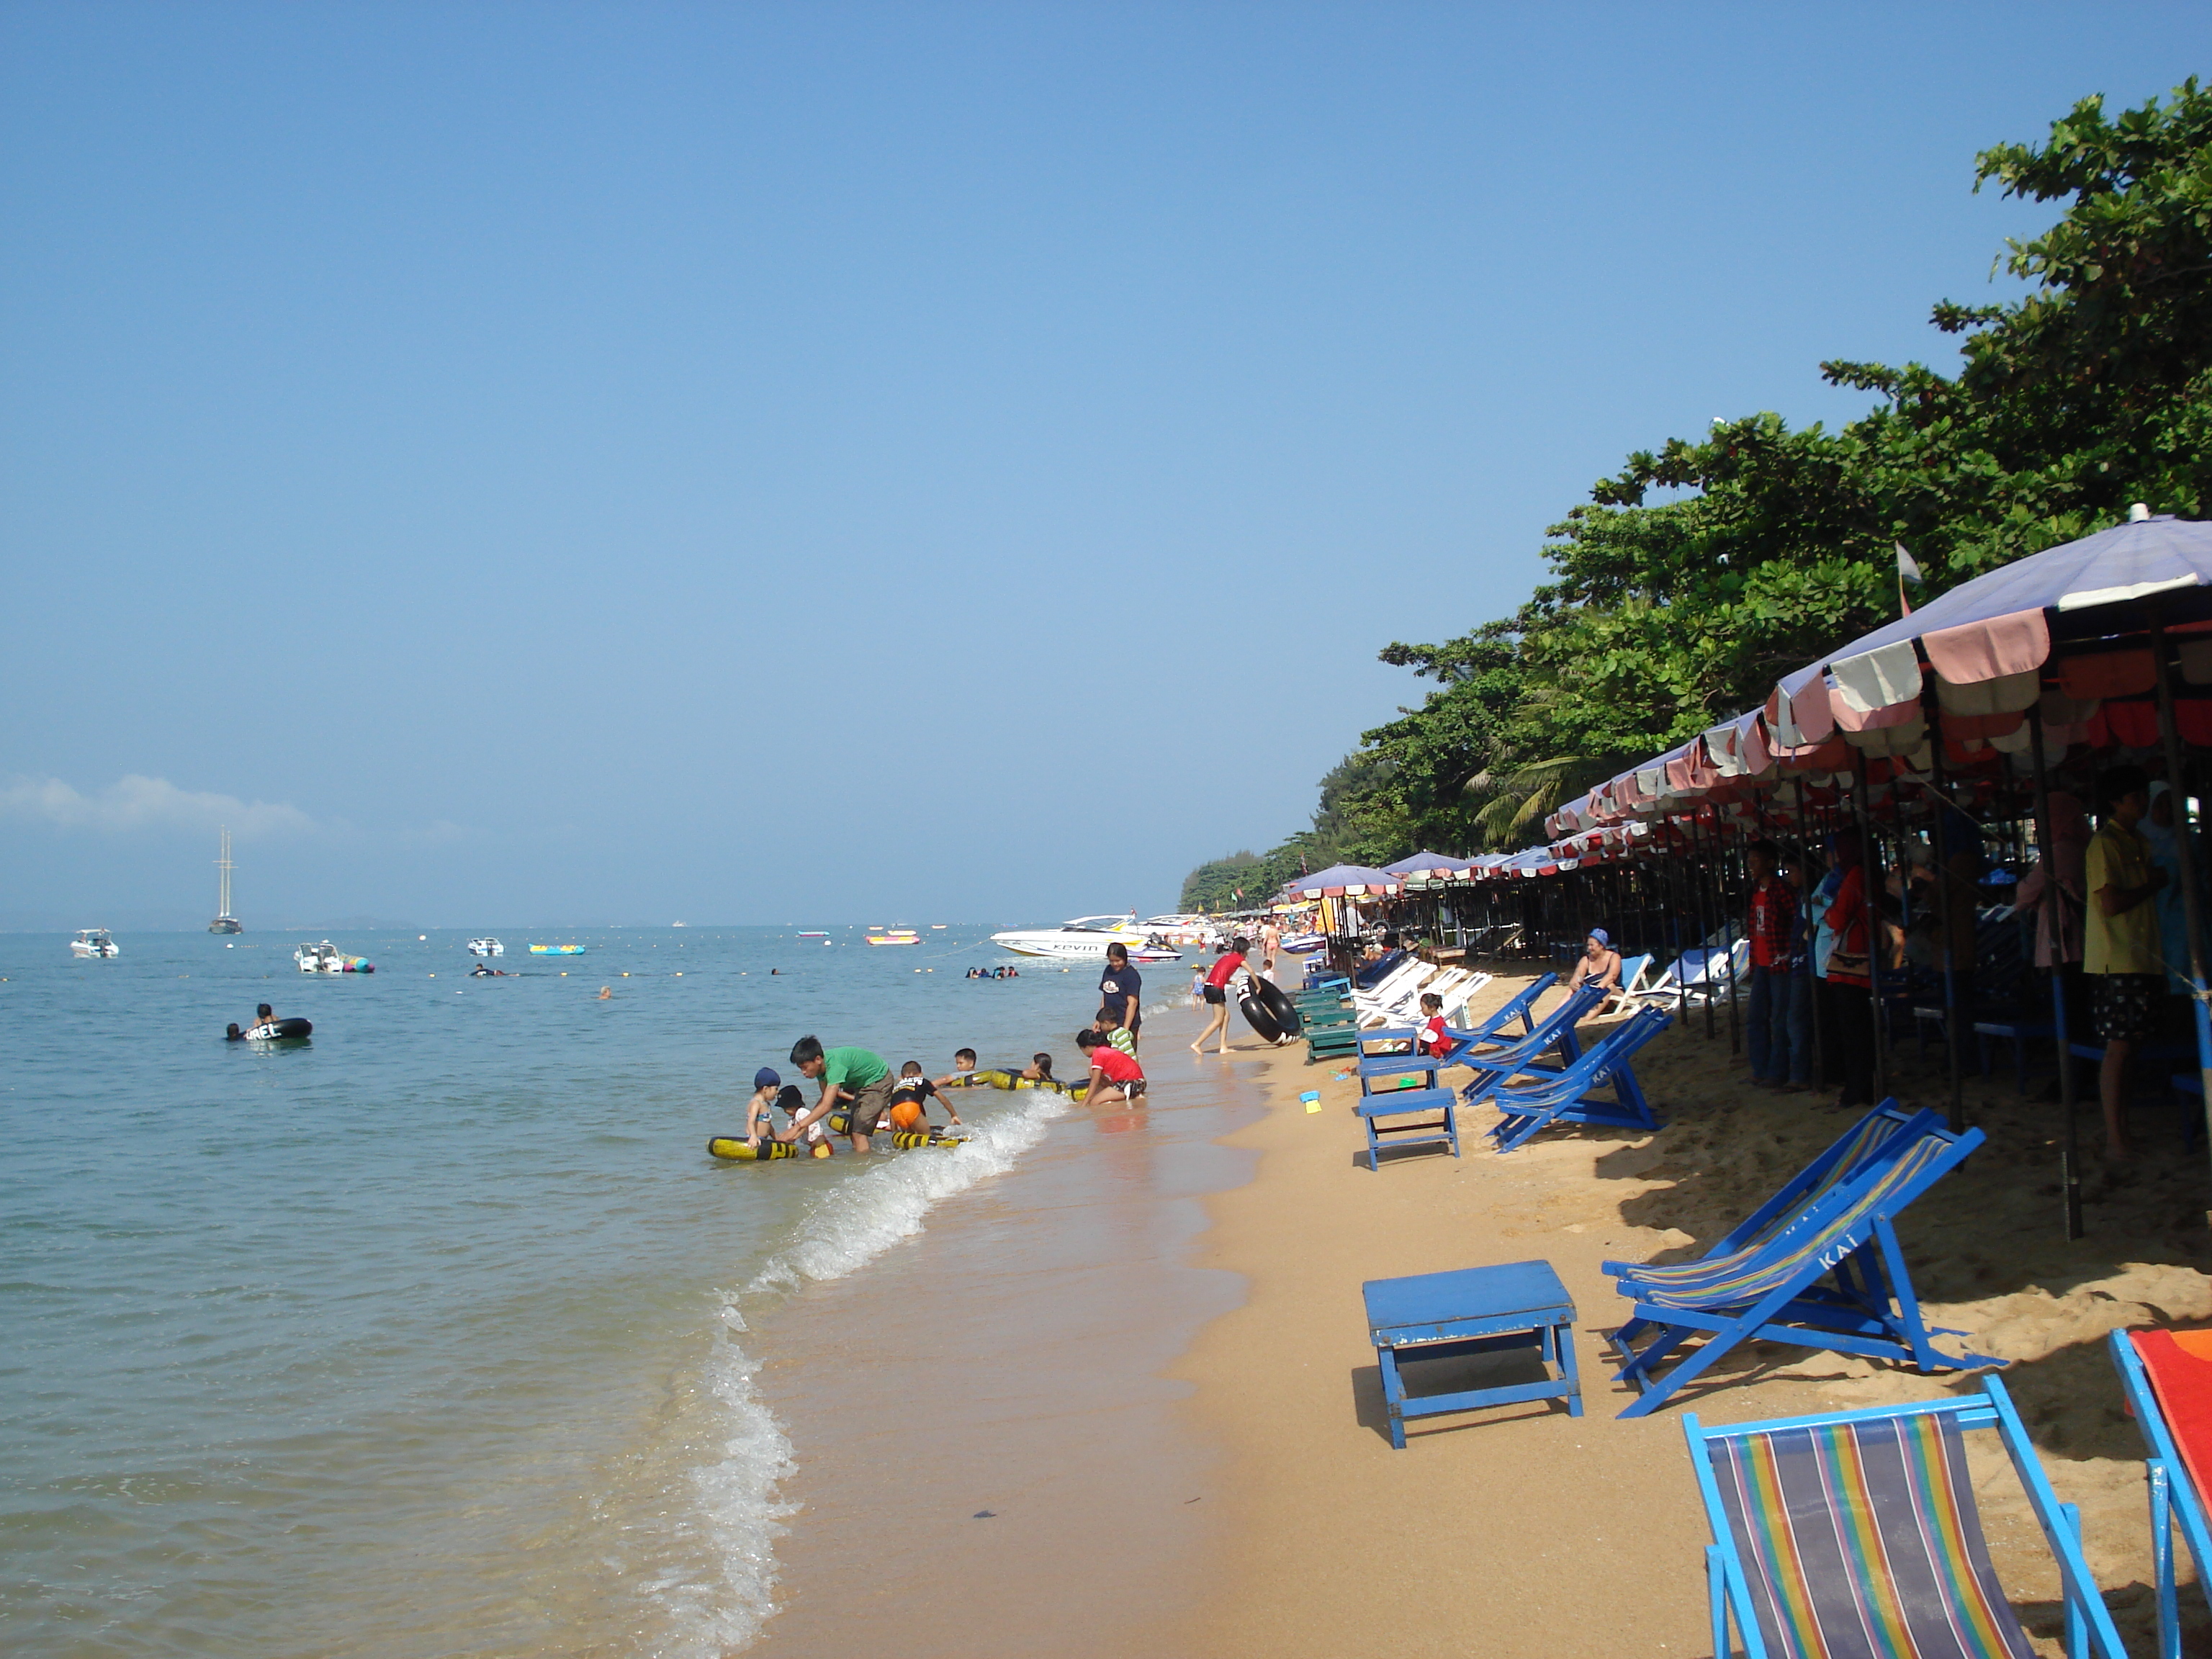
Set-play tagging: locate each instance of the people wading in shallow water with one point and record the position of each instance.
(1121, 991)
(1216, 993)
(858, 1076)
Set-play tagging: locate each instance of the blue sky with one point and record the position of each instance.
(837, 463)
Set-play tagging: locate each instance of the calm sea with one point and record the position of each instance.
(429, 1336)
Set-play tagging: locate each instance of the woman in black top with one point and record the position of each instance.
(1121, 991)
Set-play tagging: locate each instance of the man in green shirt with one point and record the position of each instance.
(854, 1075)
(2120, 951)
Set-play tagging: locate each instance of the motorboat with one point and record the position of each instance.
(1085, 940)
(896, 936)
(1181, 929)
(487, 946)
(327, 958)
(95, 942)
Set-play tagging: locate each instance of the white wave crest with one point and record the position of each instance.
(854, 1222)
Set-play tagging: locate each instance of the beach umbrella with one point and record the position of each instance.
(1343, 880)
(1426, 864)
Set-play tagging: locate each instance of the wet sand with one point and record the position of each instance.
(991, 1458)
(1522, 1531)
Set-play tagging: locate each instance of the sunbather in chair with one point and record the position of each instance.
(1834, 1277)
(2167, 1376)
(1856, 1533)
(1569, 1097)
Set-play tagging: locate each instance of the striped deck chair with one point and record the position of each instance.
(2168, 1378)
(1493, 1064)
(1569, 1097)
(1389, 1052)
(1833, 1277)
(1855, 1536)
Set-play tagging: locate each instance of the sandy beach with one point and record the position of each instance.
(1520, 1530)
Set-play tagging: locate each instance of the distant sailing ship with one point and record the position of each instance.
(225, 922)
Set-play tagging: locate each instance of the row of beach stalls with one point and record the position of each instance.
(1959, 722)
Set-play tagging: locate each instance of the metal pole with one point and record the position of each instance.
(2200, 999)
(1810, 929)
(2046, 847)
(1728, 946)
(1869, 874)
(1702, 877)
(1951, 1034)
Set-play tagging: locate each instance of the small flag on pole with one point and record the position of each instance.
(1908, 570)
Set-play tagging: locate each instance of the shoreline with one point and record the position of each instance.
(990, 1453)
(1519, 1530)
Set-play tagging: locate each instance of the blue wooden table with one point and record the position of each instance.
(1473, 1310)
(1384, 1114)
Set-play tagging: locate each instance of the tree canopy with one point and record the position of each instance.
(1701, 571)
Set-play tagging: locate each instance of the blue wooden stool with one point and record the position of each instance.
(1375, 1111)
(1474, 1310)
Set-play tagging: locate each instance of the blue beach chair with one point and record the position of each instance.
(2177, 1502)
(1567, 1097)
(1375, 1059)
(1493, 1064)
(1855, 1536)
(1874, 1138)
(1833, 1277)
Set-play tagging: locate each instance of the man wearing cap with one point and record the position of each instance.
(770, 1090)
(1600, 965)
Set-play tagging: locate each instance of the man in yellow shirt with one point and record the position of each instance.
(2121, 953)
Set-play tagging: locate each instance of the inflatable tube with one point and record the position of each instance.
(280, 1029)
(1258, 1015)
(740, 1151)
(1280, 1006)
(909, 1140)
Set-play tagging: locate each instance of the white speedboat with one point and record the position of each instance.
(95, 942)
(1085, 940)
(327, 958)
(487, 947)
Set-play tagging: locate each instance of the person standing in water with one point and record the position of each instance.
(859, 1075)
(1216, 993)
(1120, 992)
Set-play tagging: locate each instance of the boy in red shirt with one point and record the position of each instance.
(1115, 1078)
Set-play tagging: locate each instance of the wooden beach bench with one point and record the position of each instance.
(1469, 1312)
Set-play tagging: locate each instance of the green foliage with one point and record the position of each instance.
(1701, 573)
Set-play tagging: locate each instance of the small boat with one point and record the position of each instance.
(1085, 940)
(814, 935)
(896, 936)
(557, 950)
(95, 942)
(224, 922)
(487, 946)
(327, 958)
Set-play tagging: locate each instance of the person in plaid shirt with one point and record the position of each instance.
(1771, 926)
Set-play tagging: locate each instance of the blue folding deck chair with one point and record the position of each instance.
(1520, 1007)
(1876, 1136)
(1834, 1277)
(1855, 1536)
(1511, 1058)
(1567, 1097)
(2176, 1501)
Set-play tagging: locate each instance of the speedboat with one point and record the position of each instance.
(1180, 929)
(487, 946)
(896, 936)
(1085, 940)
(95, 942)
(327, 958)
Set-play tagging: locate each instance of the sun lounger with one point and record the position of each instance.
(1872, 1138)
(1833, 1276)
(1570, 1097)
(1856, 1532)
(2167, 1376)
